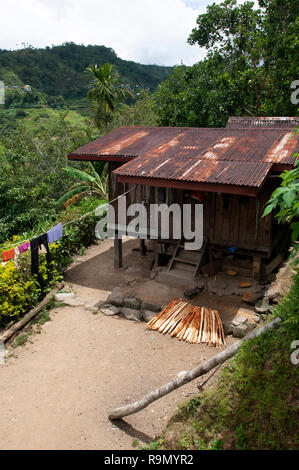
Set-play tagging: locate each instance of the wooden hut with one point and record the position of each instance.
(232, 171)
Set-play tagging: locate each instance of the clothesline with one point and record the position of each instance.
(71, 221)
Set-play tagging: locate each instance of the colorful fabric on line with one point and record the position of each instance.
(24, 247)
(7, 255)
(55, 233)
(35, 246)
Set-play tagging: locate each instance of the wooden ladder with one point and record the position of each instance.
(198, 256)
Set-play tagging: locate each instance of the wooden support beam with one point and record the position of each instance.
(273, 264)
(156, 254)
(118, 252)
(256, 268)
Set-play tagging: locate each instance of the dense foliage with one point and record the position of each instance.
(32, 176)
(251, 63)
(59, 70)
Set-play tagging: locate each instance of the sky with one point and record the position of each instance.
(145, 31)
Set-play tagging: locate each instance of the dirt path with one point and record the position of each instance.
(56, 391)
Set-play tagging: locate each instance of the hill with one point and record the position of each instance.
(59, 70)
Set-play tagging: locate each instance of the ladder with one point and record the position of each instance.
(197, 255)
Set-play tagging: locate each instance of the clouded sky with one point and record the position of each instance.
(146, 31)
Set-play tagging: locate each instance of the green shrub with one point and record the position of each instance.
(19, 289)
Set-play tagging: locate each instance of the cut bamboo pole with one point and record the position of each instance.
(189, 323)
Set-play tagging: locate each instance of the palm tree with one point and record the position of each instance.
(105, 91)
(90, 183)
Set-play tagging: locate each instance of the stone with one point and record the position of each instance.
(149, 306)
(227, 327)
(64, 296)
(241, 320)
(191, 292)
(245, 312)
(110, 310)
(116, 297)
(250, 326)
(239, 331)
(131, 302)
(114, 309)
(131, 314)
(253, 297)
(274, 293)
(148, 315)
(256, 318)
(98, 305)
(262, 305)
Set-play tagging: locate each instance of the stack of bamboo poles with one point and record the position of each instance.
(189, 323)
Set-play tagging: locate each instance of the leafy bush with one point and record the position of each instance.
(19, 289)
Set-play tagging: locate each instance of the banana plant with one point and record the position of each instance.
(90, 183)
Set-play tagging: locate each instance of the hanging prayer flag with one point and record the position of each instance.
(7, 255)
(24, 247)
(55, 233)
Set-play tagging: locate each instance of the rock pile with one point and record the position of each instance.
(129, 307)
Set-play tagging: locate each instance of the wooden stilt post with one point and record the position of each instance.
(156, 253)
(118, 252)
(142, 247)
(256, 268)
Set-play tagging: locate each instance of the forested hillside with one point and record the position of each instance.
(59, 70)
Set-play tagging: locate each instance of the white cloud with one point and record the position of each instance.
(147, 31)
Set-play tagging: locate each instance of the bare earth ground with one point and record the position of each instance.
(57, 389)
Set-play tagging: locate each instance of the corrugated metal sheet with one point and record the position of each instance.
(236, 156)
(268, 145)
(197, 170)
(264, 122)
(253, 145)
(126, 142)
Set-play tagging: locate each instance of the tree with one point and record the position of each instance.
(249, 68)
(105, 91)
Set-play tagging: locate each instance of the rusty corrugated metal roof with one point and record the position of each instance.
(233, 155)
(125, 142)
(197, 170)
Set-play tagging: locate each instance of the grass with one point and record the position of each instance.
(254, 404)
